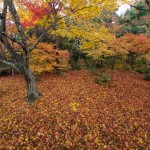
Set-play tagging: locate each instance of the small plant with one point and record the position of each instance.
(91, 68)
(36, 77)
(102, 77)
(147, 77)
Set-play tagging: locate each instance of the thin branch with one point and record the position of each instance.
(78, 4)
(39, 38)
(138, 8)
(9, 64)
(82, 8)
(12, 39)
(42, 34)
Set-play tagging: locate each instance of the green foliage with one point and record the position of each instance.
(136, 19)
(142, 9)
(147, 77)
(134, 29)
(142, 67)
(74, 65)
(142, 64)
(130, 14)
(92, 64)
(65, 45)
(36, 77)
(136, 12)
(58, 71)
(102, 77)
(91, 68)
(97, 20)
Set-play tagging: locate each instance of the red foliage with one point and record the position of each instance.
(39, 10)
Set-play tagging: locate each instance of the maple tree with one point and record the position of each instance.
(74, 27)
(130, 42)
(130, 47)
(74, 112)
(46, 58)
(75, 16)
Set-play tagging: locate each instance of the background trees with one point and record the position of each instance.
(136, 20)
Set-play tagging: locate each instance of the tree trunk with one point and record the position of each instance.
(32, 92)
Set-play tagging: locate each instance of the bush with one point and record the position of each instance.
(74, 65)
(142, 64)
(102, 78)
(147, 77)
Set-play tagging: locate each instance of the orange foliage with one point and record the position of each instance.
(75, 113)
(134, 43)
(45, 58)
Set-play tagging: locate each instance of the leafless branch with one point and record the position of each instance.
(12, 39)
(9, 64)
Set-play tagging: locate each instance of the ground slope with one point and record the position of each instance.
(76, 113)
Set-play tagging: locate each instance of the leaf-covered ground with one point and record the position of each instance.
(75, 113)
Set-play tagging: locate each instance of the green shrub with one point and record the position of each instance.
(147, 77)
(74, 65)
(91, 68)
(142, 64)
(102, 78)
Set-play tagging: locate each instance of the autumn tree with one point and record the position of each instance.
(131, 47)
(20, 61)
(72, 19)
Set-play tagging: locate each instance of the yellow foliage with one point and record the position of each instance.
(75, 20)
(74, 105)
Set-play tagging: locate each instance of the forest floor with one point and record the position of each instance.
(76, 113)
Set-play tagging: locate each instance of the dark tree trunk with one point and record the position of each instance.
(32, 92)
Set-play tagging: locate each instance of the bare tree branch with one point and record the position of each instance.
(9, 64)
(147, 2)
(39, 38)
(138, 8)
(12, 39)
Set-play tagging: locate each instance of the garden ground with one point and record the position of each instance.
(76, 113)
